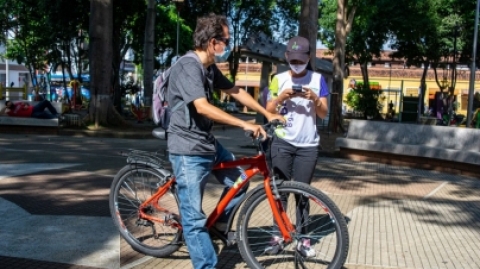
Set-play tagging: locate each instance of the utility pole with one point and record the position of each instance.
(7, 71)
(473, 69)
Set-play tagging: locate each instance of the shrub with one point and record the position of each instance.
(365, 100)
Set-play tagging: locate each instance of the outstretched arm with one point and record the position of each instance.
(246, 99)
(214, 113)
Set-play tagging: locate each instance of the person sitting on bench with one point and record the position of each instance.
(25, 109)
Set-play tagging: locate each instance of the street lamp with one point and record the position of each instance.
(473, 68)
(7, 71)
(178, 5)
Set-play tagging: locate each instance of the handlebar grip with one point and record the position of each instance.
(276, 123)
(249, 134)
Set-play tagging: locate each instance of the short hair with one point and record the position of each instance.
(7, 101)
(207, 28)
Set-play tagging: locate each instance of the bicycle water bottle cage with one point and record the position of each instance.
(160, 133)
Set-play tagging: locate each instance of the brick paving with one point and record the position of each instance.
(398, 217)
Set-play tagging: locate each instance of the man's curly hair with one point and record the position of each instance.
(207, 28)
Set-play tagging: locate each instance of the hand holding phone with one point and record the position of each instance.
(297, 88)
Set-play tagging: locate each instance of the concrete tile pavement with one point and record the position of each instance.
(399, 217)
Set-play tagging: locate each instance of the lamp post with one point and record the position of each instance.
(473, 67)
(178, 5)
(7, 71)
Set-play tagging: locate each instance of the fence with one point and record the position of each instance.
(13, 93)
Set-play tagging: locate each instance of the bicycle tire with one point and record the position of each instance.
(327, 231)
(132, 185)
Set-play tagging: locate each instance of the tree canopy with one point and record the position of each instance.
(56, 32)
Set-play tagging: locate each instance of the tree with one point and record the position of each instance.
(148, 49)
(128, 32)
(101, 26)
(308, 26)
(27, 47)
(369, 33)
(416, 37)
(253, 16)
(341, 20)
(246, 17)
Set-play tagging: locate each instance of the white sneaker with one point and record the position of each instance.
(305, 249)
(275, 246)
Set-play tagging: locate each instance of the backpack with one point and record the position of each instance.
(161, 111)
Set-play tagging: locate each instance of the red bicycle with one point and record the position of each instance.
(144, 207)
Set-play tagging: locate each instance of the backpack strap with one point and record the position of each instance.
(205, 80)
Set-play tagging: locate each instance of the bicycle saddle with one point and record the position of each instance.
(160, 133)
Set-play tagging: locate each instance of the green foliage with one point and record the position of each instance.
(39, 25)
(365, 100)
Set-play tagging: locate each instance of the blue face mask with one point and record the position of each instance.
(223, 56)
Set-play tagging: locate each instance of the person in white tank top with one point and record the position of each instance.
(300, 95)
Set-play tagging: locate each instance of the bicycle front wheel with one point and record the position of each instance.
(320, 236)
(132, 186)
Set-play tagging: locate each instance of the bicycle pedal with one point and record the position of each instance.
(142, 222)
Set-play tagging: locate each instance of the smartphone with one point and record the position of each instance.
(297, 88)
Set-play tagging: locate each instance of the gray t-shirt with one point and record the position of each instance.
(188, 83)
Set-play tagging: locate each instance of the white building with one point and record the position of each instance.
(17, 74)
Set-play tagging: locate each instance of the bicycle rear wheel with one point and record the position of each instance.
(132, 186)
(324, 227)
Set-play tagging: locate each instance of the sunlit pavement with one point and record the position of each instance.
(54, 208)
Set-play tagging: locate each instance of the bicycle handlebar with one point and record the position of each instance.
(269, 129)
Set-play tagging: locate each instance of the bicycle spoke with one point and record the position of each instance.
(320, 237)
(150, 235)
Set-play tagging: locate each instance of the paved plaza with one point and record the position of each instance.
(54, 208)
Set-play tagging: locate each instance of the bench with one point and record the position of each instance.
(7, 120)
(423, 146)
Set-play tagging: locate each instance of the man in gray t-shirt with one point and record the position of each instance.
(193, 149)
(189, 82)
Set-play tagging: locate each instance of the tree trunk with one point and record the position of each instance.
(309, 26)
(116, 62)
(336, 121)
(148, 53)
(364, 70)
(342, 28)
(101, 110)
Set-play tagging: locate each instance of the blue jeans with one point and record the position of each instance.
(39, 110)
(192, 172)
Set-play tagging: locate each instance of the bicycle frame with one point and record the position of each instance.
(257, 164)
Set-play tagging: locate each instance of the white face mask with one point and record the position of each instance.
(298, 68)
(223, 56)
